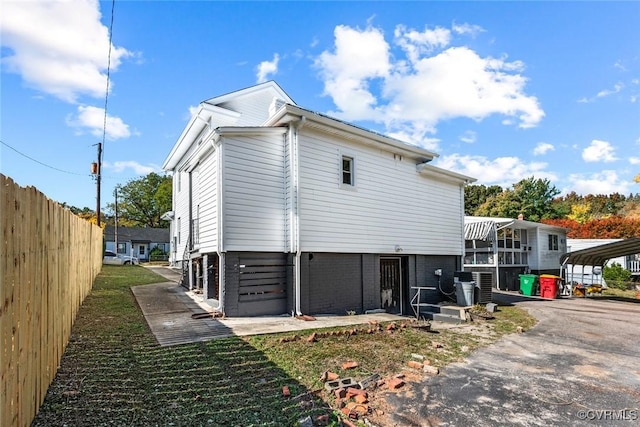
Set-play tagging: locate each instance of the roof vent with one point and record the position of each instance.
(521, 217)
(275, 105)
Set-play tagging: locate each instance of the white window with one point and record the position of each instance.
(348, 177)
(553, 242)
(122, 248)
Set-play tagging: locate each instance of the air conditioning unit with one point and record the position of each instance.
(484, 286)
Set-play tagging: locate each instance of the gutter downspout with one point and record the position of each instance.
(296, 212)
(217, 145)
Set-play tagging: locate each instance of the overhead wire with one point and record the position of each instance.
(106, 94)
(52, 167)
(42, 163)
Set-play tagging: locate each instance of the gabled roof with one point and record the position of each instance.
(270, 85)
(137, 234)
(598, 255)
(211, 113)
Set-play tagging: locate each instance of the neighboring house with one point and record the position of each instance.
(510, 247)
(279, 209)
(136, 241)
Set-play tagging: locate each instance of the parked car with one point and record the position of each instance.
(118, 259)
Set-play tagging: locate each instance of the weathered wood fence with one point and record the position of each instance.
(49, 258)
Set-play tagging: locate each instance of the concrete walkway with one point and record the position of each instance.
(580, 365)
(168, 308)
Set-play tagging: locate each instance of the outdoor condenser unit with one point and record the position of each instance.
(484, 283)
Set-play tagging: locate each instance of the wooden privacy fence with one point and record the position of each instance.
(49, 259)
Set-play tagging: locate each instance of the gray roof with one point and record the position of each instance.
(598, 255)
(137, 234)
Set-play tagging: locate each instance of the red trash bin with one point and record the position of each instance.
(549, 285)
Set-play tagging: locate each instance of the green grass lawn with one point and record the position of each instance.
(113, 373)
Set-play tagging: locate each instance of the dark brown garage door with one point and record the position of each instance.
(263, 284)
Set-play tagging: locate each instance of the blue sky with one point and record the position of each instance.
(501, 90)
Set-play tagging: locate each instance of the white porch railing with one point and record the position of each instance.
(634, 267)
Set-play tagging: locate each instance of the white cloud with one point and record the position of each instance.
(58, 47)
(604, 182)
(599, 151)
(267, 68)
(606, 92)
(416, 44)
(634, 160)
(543, 148)
(358, 57)
(619, 65)
(139, 169)
(465, 28)
(469, 137)
(92, 119)
(503, 171)
(367, 81)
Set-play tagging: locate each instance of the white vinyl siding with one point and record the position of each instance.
(195, 200)
(392, 206)
(181, 210)
(549, 259)
(254, 193)
(209, 203)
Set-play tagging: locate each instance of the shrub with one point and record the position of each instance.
(616, 276)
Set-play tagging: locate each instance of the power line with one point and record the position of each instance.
(41, 163)
(106, 94)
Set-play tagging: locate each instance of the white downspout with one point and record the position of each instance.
(296, 211)
(217, 145)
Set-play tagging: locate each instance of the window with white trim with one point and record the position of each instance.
(553, 242)
(348, 177)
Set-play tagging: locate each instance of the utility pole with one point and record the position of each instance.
(98, 176)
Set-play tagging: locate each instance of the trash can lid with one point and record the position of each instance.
(551, 276)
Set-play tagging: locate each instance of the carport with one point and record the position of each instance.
(597, 256)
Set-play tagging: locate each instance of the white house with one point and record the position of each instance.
(136, 241)
(279, 209)
(509, 247)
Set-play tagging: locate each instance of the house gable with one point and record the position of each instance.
(247, 107)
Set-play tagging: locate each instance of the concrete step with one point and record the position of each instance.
(448, 310)
(446, 318)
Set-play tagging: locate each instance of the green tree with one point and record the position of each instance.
(536, 198)
(616, 276)
(142, 201)
(476, 195)
(530, 197)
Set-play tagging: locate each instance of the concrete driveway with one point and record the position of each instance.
(580, 365)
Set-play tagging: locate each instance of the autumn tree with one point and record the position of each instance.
(580, 212)
(141, 202)
(614, 227)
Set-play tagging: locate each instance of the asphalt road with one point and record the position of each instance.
(580, 365)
